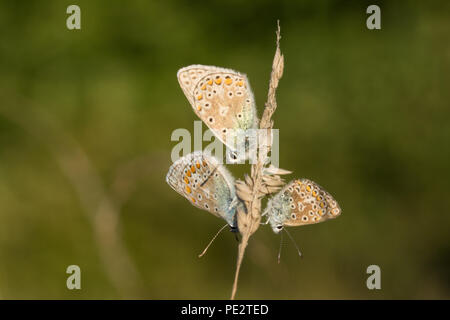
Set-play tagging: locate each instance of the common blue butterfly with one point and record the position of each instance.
(300, 202)
(223, 100)
(207, 185)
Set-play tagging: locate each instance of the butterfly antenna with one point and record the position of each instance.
(212, 240)
(281, 245)
(293, 241)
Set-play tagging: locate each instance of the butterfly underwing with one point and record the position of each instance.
(207, 184)
(223, 100)
(300, 202)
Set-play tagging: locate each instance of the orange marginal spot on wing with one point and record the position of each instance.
(199, 97)
(193, 169)
(188, 173)
(193, 200)
(228, 80)
(186, 180)
(240, 83)
(197, 165)
(188, 190)
(210, 82)
(199, 108)
(203, 87)
(218, 81)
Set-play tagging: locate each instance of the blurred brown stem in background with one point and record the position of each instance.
(256, 186)
(100, 207)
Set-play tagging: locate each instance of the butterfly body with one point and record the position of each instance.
(223, 100)
(301, 202)
(207, 184)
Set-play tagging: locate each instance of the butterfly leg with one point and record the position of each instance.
(236, 236)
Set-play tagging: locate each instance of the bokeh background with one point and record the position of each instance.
(86, 118)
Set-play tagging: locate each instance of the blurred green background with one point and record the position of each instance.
(86, 118)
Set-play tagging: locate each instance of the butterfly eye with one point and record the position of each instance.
(279, 227)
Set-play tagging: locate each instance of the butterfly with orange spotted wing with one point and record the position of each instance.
(300, 202)
(207, 184)
(223, 100)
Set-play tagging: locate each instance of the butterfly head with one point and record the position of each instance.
(277, 228)
(276, 211)
(235, 157)
(243, 150)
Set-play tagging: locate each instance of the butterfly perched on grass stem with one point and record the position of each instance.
(223, 100)
(207, 184)
(300, 202)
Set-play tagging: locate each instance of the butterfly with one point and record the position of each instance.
(207, 185)
(300, 202)
(223, 100)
